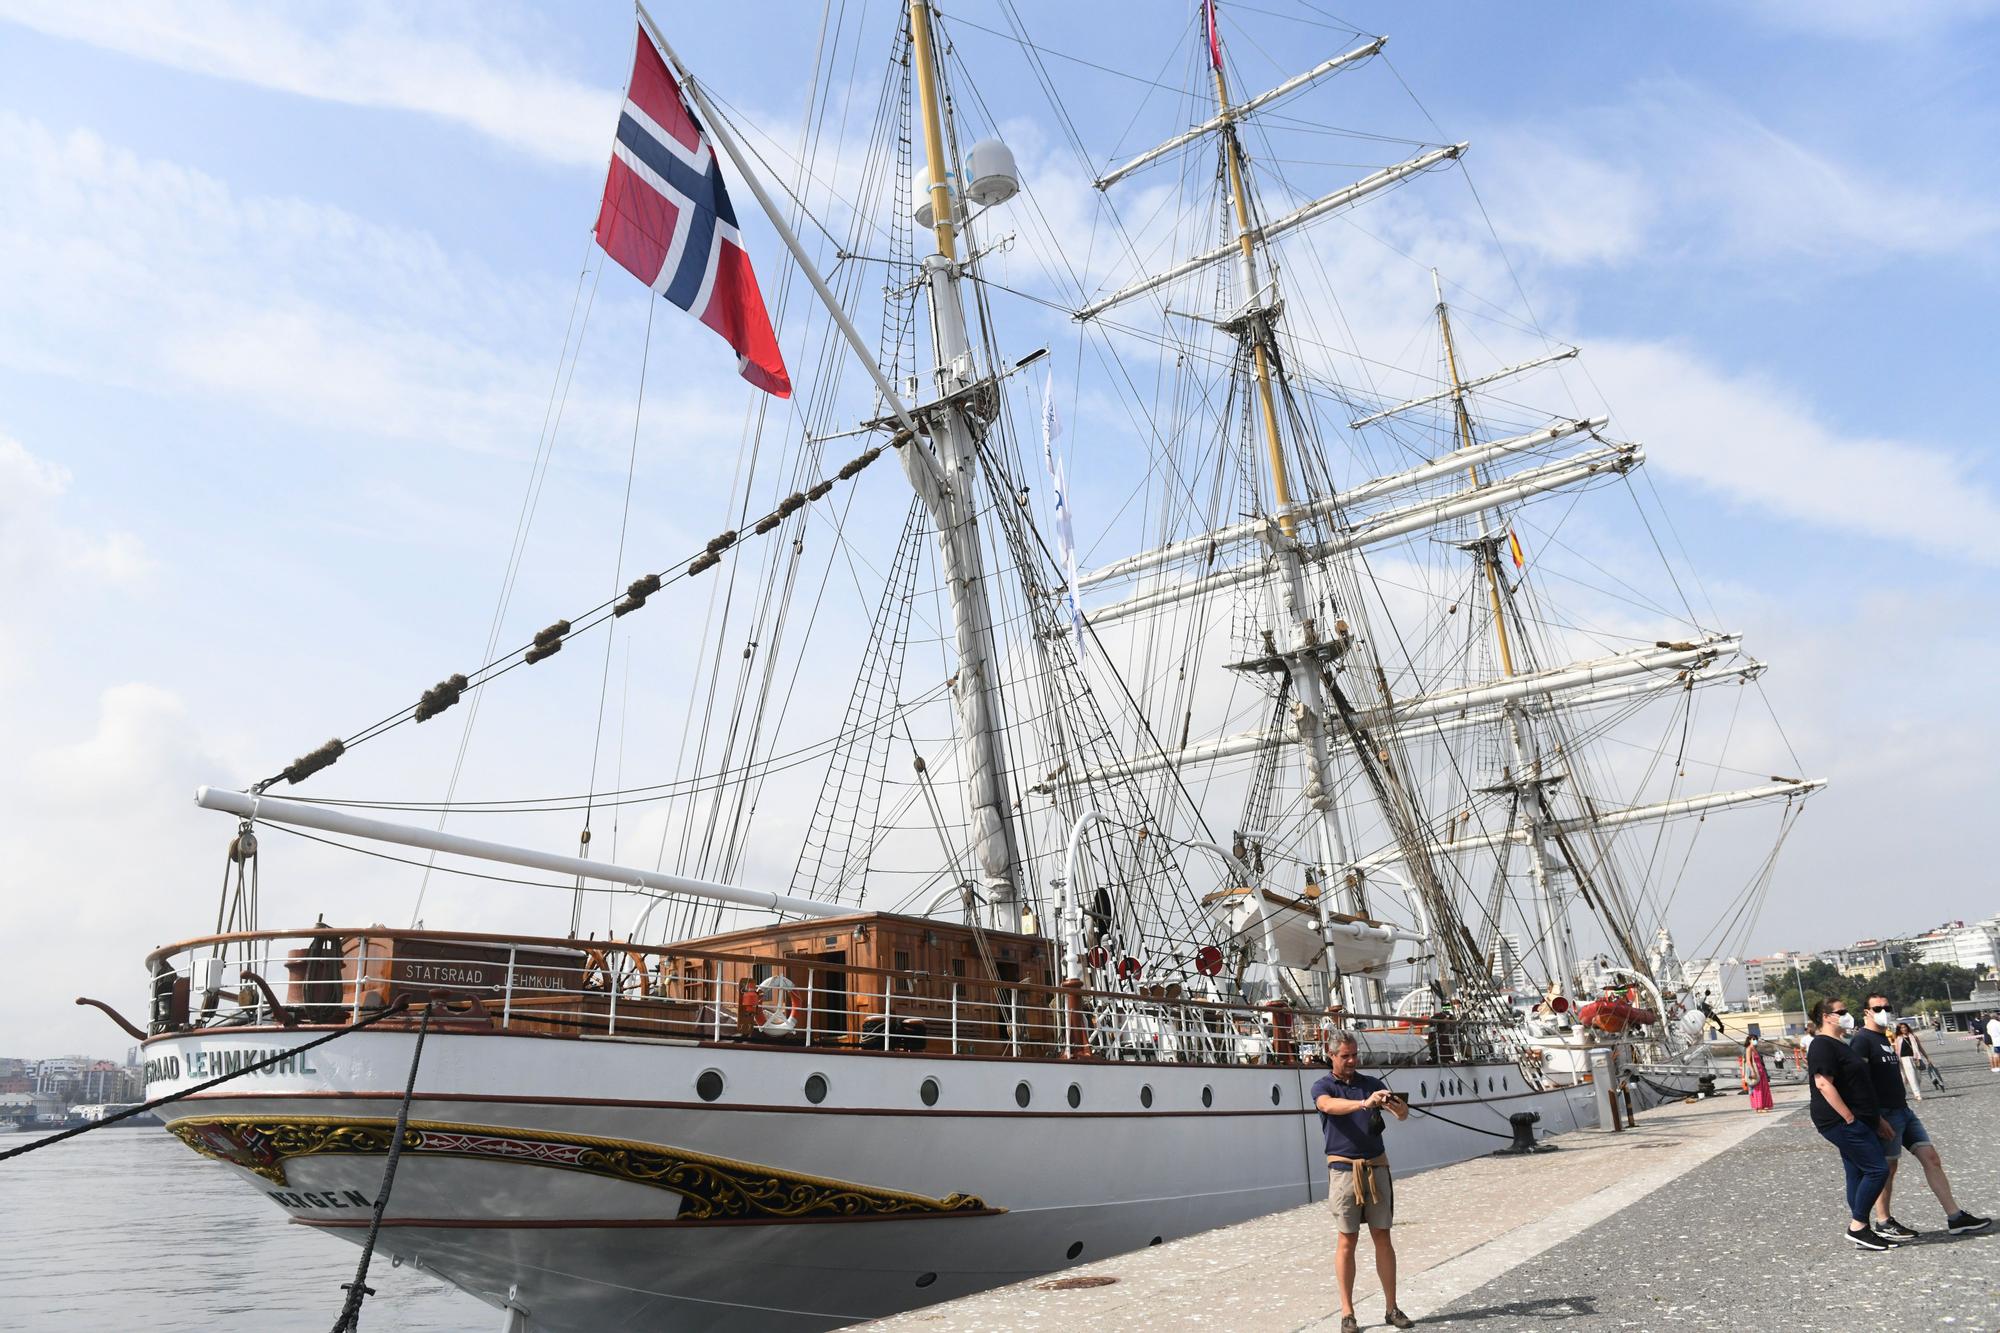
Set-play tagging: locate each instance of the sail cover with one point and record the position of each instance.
(668, 221)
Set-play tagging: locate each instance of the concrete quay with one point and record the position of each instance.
(1702, 1216)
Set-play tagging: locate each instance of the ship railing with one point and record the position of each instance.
(617, 989)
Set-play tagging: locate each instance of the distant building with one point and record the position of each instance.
(1956, 944)
(1864, 958)
(1970, 1013)
(1510, 971)
(1725, 980)
(79, 1078)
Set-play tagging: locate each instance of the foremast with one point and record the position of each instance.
(946, 479)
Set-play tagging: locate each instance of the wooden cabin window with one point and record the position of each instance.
(759, 972)
(958, 967)
(904, 985)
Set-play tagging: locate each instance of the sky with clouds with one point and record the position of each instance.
(287, 287)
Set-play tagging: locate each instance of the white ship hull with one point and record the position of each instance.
(630, 1202)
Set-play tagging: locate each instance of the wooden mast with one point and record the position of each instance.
(1281, 484)
(1490, 551)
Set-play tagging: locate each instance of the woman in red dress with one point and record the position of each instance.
(1756, 1079)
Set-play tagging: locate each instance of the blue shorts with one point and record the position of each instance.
(1909, 1132)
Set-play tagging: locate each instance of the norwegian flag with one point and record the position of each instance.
(667, 220)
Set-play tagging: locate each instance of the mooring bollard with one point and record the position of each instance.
(1523, 1124)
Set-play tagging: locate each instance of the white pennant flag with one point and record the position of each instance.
(1065, 541)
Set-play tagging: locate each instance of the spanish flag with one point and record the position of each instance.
(1514, 549)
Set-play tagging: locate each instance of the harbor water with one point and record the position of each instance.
(128, 1229)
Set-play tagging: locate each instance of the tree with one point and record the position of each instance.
(1905, 986)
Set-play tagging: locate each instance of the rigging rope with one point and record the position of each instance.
(396, 1006)
(603, 613)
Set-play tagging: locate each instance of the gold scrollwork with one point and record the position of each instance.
(712, 1188)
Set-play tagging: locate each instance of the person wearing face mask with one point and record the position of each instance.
(1845, 1113)
(1871, 1045)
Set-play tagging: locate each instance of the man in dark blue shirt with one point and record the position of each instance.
(1845, 1113)
(1871, 1044)
(1350, 1106)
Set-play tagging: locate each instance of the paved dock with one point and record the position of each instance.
(1703, 1216)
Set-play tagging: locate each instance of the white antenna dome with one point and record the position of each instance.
(990, 173)
(920, 199)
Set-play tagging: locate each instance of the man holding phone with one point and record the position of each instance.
(1350, 1105)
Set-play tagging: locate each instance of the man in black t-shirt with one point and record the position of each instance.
(1350, 1106)
(1844, 1112)
(1871, 1044)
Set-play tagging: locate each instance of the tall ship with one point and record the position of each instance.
(1003, 923)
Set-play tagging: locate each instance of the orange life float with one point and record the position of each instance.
(1611, 1014)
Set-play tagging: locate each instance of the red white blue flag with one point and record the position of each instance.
(668, 221)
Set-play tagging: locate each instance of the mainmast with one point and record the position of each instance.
(1525, 772)
(1304, 652)
(948, 484)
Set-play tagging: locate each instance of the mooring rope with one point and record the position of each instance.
(359, 1290)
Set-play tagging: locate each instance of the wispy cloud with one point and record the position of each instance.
(38, 545)
(1760, 444)
(1867, 20)
(363, 55)
(134, 271)
(1579, 194)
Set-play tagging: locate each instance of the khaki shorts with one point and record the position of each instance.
(1349, 1215)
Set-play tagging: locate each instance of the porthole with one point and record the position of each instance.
(1076, 1248)
(816, 1089)
(929, 1092)
(1504, 1084)
(1489, 1084)
(1155, 1240)
(709, 1086)
(1023, 1094)
(1275, 1094)
(1146, 1096)
(1075, 1097)
(925, 1279)
(1423, 1089)
(1208, 1096)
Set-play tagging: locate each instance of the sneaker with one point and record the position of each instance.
(1399, 1319)
(1890, 1229)
(1349, 1324)
(1961, 1222)
(1863, 1239)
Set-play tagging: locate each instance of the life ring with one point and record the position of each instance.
(770, 1007)
(1129, 968)
(1208, 960)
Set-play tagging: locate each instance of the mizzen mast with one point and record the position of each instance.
(1525, 772)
